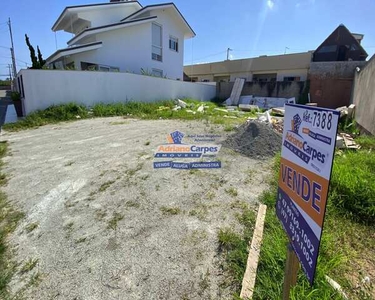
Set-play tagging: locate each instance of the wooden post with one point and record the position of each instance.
(291, 271)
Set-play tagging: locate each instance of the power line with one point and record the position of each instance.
(225, 51)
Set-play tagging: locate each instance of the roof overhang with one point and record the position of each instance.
(73, 50)
(70, 12)
(189, 33)
(100, 29)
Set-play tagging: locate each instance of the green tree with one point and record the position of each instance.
(34, 60)
(42, 62)
(37, 62)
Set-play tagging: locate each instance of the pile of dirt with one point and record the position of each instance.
(255, 140)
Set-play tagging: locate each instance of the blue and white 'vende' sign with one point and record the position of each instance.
(308, 147)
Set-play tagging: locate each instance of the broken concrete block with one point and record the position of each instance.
(200, 109)
(221, 109)
(343, 111)
(280, 111)
(230, 117)
(351, 111)
(189, 111)
(248, 107)
(181, 103)
(176, 108)
(340, 142)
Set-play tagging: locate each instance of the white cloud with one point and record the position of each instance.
(270, 4)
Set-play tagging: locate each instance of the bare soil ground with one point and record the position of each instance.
(101, 223)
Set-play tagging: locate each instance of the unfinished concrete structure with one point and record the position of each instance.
(289, 67)
(364, 96)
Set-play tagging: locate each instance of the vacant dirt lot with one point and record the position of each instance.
(101, 223)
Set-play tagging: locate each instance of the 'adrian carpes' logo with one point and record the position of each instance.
(176, 149)
(306, 151)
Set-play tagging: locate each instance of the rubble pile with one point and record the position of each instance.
(254, 139)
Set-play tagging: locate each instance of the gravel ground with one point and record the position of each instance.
(101, 223)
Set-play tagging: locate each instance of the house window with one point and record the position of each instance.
(104, 69)
(173, 43)
(290, 78)
(157, 51)
(157, 73)
(327, 49)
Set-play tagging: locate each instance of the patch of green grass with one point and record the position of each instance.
(229, 128)
(366, 142)
(170, 210)
(200, 211)
(204, 282)
(69, 163)
(232, 191)
(51, 115)
(81, 240)
(234, 246)
(69, 226)
(113, 222)
(29, 265)
(141, 110)
(133, 204)
(31, 227)
(35, 280)
(106, 185)
(119, 123)
(9, 219)
(353, 185)
(147, 143)
(131, 172)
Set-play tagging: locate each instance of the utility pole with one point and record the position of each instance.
(228, 50)
(12, 50)
(10, 72)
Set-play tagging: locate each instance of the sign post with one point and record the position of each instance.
(308, 147)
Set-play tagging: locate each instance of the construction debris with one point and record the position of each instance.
(200, 109)
(349, 142)
(280, 111)
(181, 103)
(351, 111)
(236, 91)
(248, 107)
(221, 109)
(343, 111)
(254, 139)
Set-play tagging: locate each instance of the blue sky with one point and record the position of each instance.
(249, 27)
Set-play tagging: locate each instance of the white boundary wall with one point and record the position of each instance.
(43, 88)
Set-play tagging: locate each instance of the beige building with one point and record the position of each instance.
(288, 67)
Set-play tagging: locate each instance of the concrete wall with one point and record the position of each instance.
(331, 82)
(364, 96)
(258, 89)
(43, 88)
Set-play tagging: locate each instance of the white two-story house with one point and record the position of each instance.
(123, 36)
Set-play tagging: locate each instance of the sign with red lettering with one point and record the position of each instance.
(308, 148)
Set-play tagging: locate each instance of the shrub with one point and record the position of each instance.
(15, 96)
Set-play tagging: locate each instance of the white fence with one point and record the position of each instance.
(43, 88)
